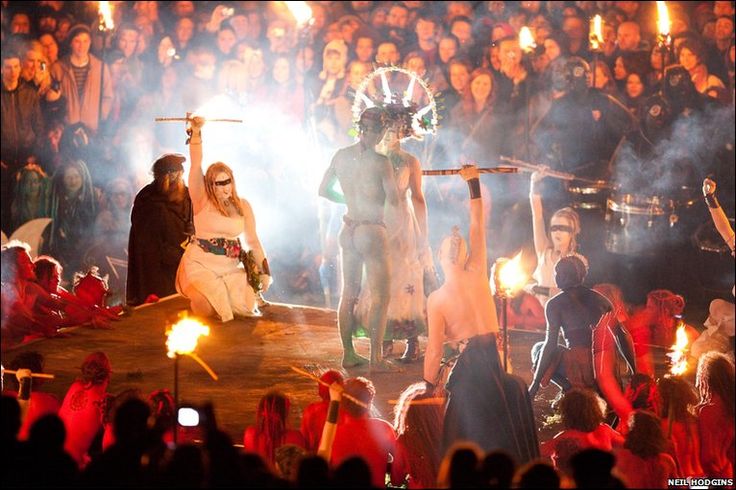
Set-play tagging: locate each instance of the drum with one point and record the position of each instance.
(638, 224)
(589, 196)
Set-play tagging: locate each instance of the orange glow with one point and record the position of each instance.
(678, 352)
(511, 276)
(105, 13)
(301, 12)
(183, 336)
(596, 32)
(526, 40)
(663, 19)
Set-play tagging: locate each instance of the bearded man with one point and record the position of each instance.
(161, 224)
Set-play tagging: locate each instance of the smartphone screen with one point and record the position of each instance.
(188, 417)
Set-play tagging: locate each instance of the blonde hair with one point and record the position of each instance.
(572, 216)
(209, 187)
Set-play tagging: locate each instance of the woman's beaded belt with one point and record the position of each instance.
(221, 246)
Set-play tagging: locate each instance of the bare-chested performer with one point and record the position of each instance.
(367, 182)
(485, 405)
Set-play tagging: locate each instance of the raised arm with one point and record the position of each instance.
(720, 220)
(436, 338)
(330, 428)
(549, 348)
(477, 258)
(418, 202)
(329, 181)
(535, 198)
(196, 176)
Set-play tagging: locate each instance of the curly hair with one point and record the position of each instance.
(96, 369)
(677, 397)
(582, 410)
(715, 376)
(645, 438)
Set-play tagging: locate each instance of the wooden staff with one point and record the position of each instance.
(423, 401)
(33, 375)
(556, 174)
(482, 170)
(315, 378)
(186, 119)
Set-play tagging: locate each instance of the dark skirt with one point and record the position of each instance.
(488, 406)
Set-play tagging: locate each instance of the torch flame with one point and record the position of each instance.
(183, 336)
(511, 275)
(663, 19)
(526, 40)
(596, 33)
(678, 352)
(301, 12)
(105, 13)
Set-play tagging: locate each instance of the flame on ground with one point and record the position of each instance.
(183, 336)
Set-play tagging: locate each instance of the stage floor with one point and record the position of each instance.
(250, 357)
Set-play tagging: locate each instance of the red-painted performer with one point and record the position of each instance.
(582, 416)
(20, 295)
(655, 325)
(272, 428)
(82, 408)
(39, 402)
(314, 416)
(679, 425)
(373, 439)
(716, 414)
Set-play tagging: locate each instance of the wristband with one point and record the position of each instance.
(474, 186)
(24, 391)
(332, 411)
(712, 201)
(541, 290)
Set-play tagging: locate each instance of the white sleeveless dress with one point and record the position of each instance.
(220, 279)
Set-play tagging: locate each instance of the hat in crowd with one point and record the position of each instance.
(77, 30)
(169, 162)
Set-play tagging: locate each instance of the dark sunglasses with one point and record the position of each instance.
(567, 229)
(221, 183)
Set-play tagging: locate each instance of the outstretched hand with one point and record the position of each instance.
(469, 172)
(709, 187)
(196, 123)
(539, 175)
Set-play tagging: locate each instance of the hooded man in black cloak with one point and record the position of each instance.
(161, 224)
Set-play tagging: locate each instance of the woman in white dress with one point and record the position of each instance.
(212, 273)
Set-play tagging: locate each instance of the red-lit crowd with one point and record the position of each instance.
(78, 102)
(94, 437)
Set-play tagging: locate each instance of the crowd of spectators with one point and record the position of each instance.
(78, 102)
(99, 438)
